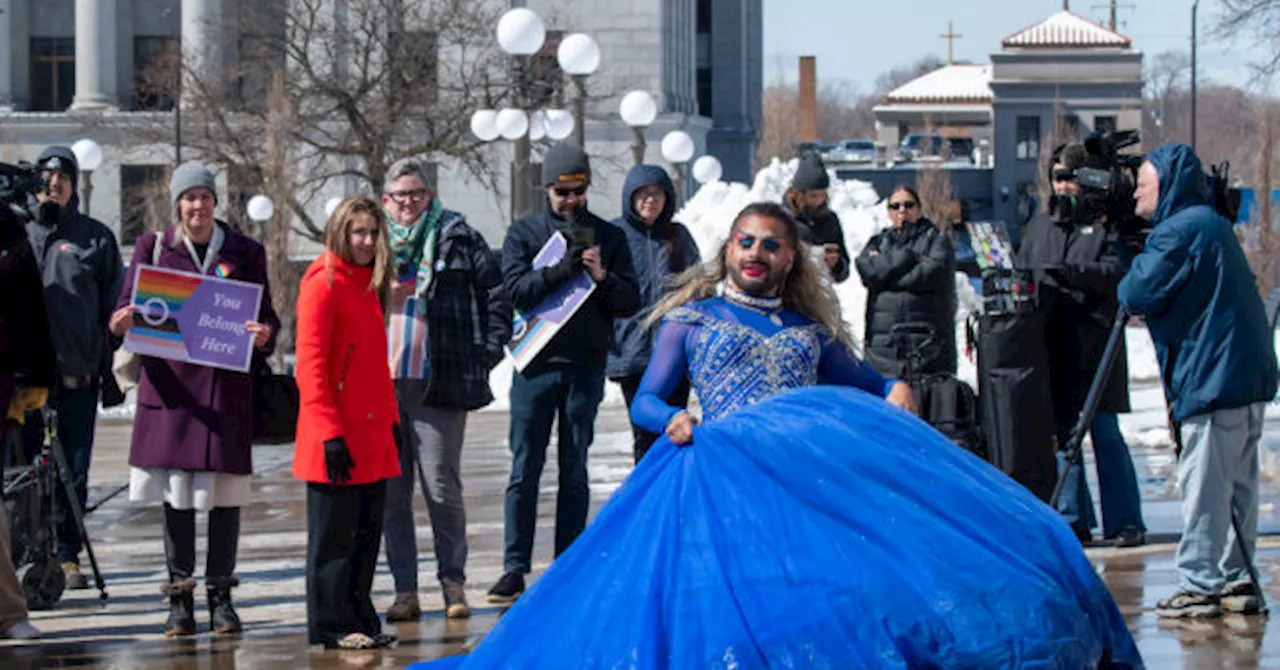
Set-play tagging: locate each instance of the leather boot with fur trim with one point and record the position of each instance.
(223, 619)
(182, 618)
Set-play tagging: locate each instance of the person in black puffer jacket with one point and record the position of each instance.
(909, 272)
(819, 226)
(660, 249)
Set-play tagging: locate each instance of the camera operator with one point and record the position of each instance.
(1194, 287)
(26, 375)
(1072, 253)
(83, 274)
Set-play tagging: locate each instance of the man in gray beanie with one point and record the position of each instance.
(82, 272)
(566, 379)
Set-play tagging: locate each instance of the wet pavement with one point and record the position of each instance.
(125, 632)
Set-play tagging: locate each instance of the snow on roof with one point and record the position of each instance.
(1066, 29)
(950, 84)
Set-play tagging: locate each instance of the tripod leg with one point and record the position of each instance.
(1248, 561)
(64, 476)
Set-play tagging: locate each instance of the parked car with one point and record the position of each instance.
(852, 151)
(809, 147)
(921, 147)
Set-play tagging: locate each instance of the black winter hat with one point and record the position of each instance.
(565, 161)
(811, 174)
(62, 159)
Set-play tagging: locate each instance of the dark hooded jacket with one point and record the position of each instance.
(1076, 269)
(820, 228)
(911, 278)
(82, 272)
(1195, 289)
(658, 253)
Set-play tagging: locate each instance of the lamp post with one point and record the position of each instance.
(520, 34)
(677, 149)
(638, 110)
(1195, 6)
(88, 157)
(579, 56)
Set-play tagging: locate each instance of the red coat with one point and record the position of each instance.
(343, 377)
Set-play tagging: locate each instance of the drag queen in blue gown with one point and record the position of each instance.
(803, 521)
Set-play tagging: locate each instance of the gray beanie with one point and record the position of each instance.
(565, 161)
(189, 175)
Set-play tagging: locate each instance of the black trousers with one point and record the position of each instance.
(344, 531)
(643, 439)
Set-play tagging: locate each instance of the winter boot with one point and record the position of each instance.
(223, 619)
(182, 617)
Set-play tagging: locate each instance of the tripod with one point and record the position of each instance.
(1073, 456)
(38, 568)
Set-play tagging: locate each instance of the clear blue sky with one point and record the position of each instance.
(855, 40)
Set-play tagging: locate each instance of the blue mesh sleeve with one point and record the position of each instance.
(839, 367)
(668, 366)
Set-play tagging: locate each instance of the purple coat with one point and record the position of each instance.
(192, 417)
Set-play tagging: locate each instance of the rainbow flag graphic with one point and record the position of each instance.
(159, 297)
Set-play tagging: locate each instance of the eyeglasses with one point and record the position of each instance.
(1063, 175)
(649, 194)
(766, 243)
(406, 196)
(359, 233)
(566, 192)
(908, 205)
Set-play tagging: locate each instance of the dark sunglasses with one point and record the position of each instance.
(768, 243)
(566, 192)
(1064, 175)
(910, 204)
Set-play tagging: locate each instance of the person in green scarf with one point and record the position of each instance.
(448, 320)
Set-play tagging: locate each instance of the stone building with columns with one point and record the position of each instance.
(70, 69)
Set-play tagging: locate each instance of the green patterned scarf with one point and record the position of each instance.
(415, 245)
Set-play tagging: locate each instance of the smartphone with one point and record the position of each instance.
(585, 236)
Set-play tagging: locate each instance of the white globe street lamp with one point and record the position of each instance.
(677, 149)
(638, 110)
(521, 32)
(579, 56)
(330, 205)
(512, 123)
(260, 208)
(707, 169)
(484, 125)
(559, 124)
(88, 158)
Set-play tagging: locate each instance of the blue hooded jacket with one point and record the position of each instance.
(658, 252)
(1194, 287)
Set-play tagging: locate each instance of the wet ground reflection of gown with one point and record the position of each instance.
(818, 528)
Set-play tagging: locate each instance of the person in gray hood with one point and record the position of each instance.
(660, 249)
(80, 265)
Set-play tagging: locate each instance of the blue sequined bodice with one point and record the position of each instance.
(734, 365)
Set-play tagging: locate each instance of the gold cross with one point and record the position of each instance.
(950, 36)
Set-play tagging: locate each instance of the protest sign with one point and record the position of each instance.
(532, 330)
(193, 318)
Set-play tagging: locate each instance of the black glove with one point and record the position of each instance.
(337, 461)
(570, 263)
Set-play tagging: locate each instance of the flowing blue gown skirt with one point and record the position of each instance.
(821, 528)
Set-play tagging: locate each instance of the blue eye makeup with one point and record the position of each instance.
(768, 243)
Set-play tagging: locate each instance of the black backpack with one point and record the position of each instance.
(951, 407)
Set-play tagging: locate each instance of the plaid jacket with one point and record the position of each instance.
(468, 319)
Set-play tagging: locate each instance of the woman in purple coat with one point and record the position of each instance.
(194, 425)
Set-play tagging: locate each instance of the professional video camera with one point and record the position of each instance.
(18, 184)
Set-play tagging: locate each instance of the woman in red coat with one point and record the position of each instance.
(346, 442)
